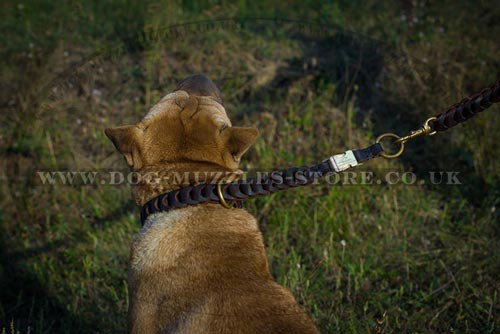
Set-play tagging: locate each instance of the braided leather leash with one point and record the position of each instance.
(454, 115)
(238, 191)
(467, 108)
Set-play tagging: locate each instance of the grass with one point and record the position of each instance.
(359, 258)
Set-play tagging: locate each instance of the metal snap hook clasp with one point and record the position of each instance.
(425, 130)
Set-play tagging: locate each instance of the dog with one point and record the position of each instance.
(201, 268)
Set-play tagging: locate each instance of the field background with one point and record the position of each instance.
(316, 78)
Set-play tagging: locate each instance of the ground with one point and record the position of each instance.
(316, 79)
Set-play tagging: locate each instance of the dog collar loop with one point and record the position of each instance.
(221, 196)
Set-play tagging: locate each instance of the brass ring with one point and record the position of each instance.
(401, 147)
(221, 197)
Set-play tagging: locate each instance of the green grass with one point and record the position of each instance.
(360, 259)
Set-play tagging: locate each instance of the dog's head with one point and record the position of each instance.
(188, 125)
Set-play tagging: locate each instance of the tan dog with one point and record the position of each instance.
(199, 269)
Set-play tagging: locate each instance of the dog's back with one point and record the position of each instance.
(204, 270)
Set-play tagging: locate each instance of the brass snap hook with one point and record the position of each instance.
(425, 130)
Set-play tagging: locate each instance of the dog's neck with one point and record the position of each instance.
(162, 178)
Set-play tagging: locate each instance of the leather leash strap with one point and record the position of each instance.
(467, 108)
(238, 191)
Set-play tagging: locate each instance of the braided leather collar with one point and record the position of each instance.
(241, 190)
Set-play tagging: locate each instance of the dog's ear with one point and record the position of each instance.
(125, 139)
(239, 140)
